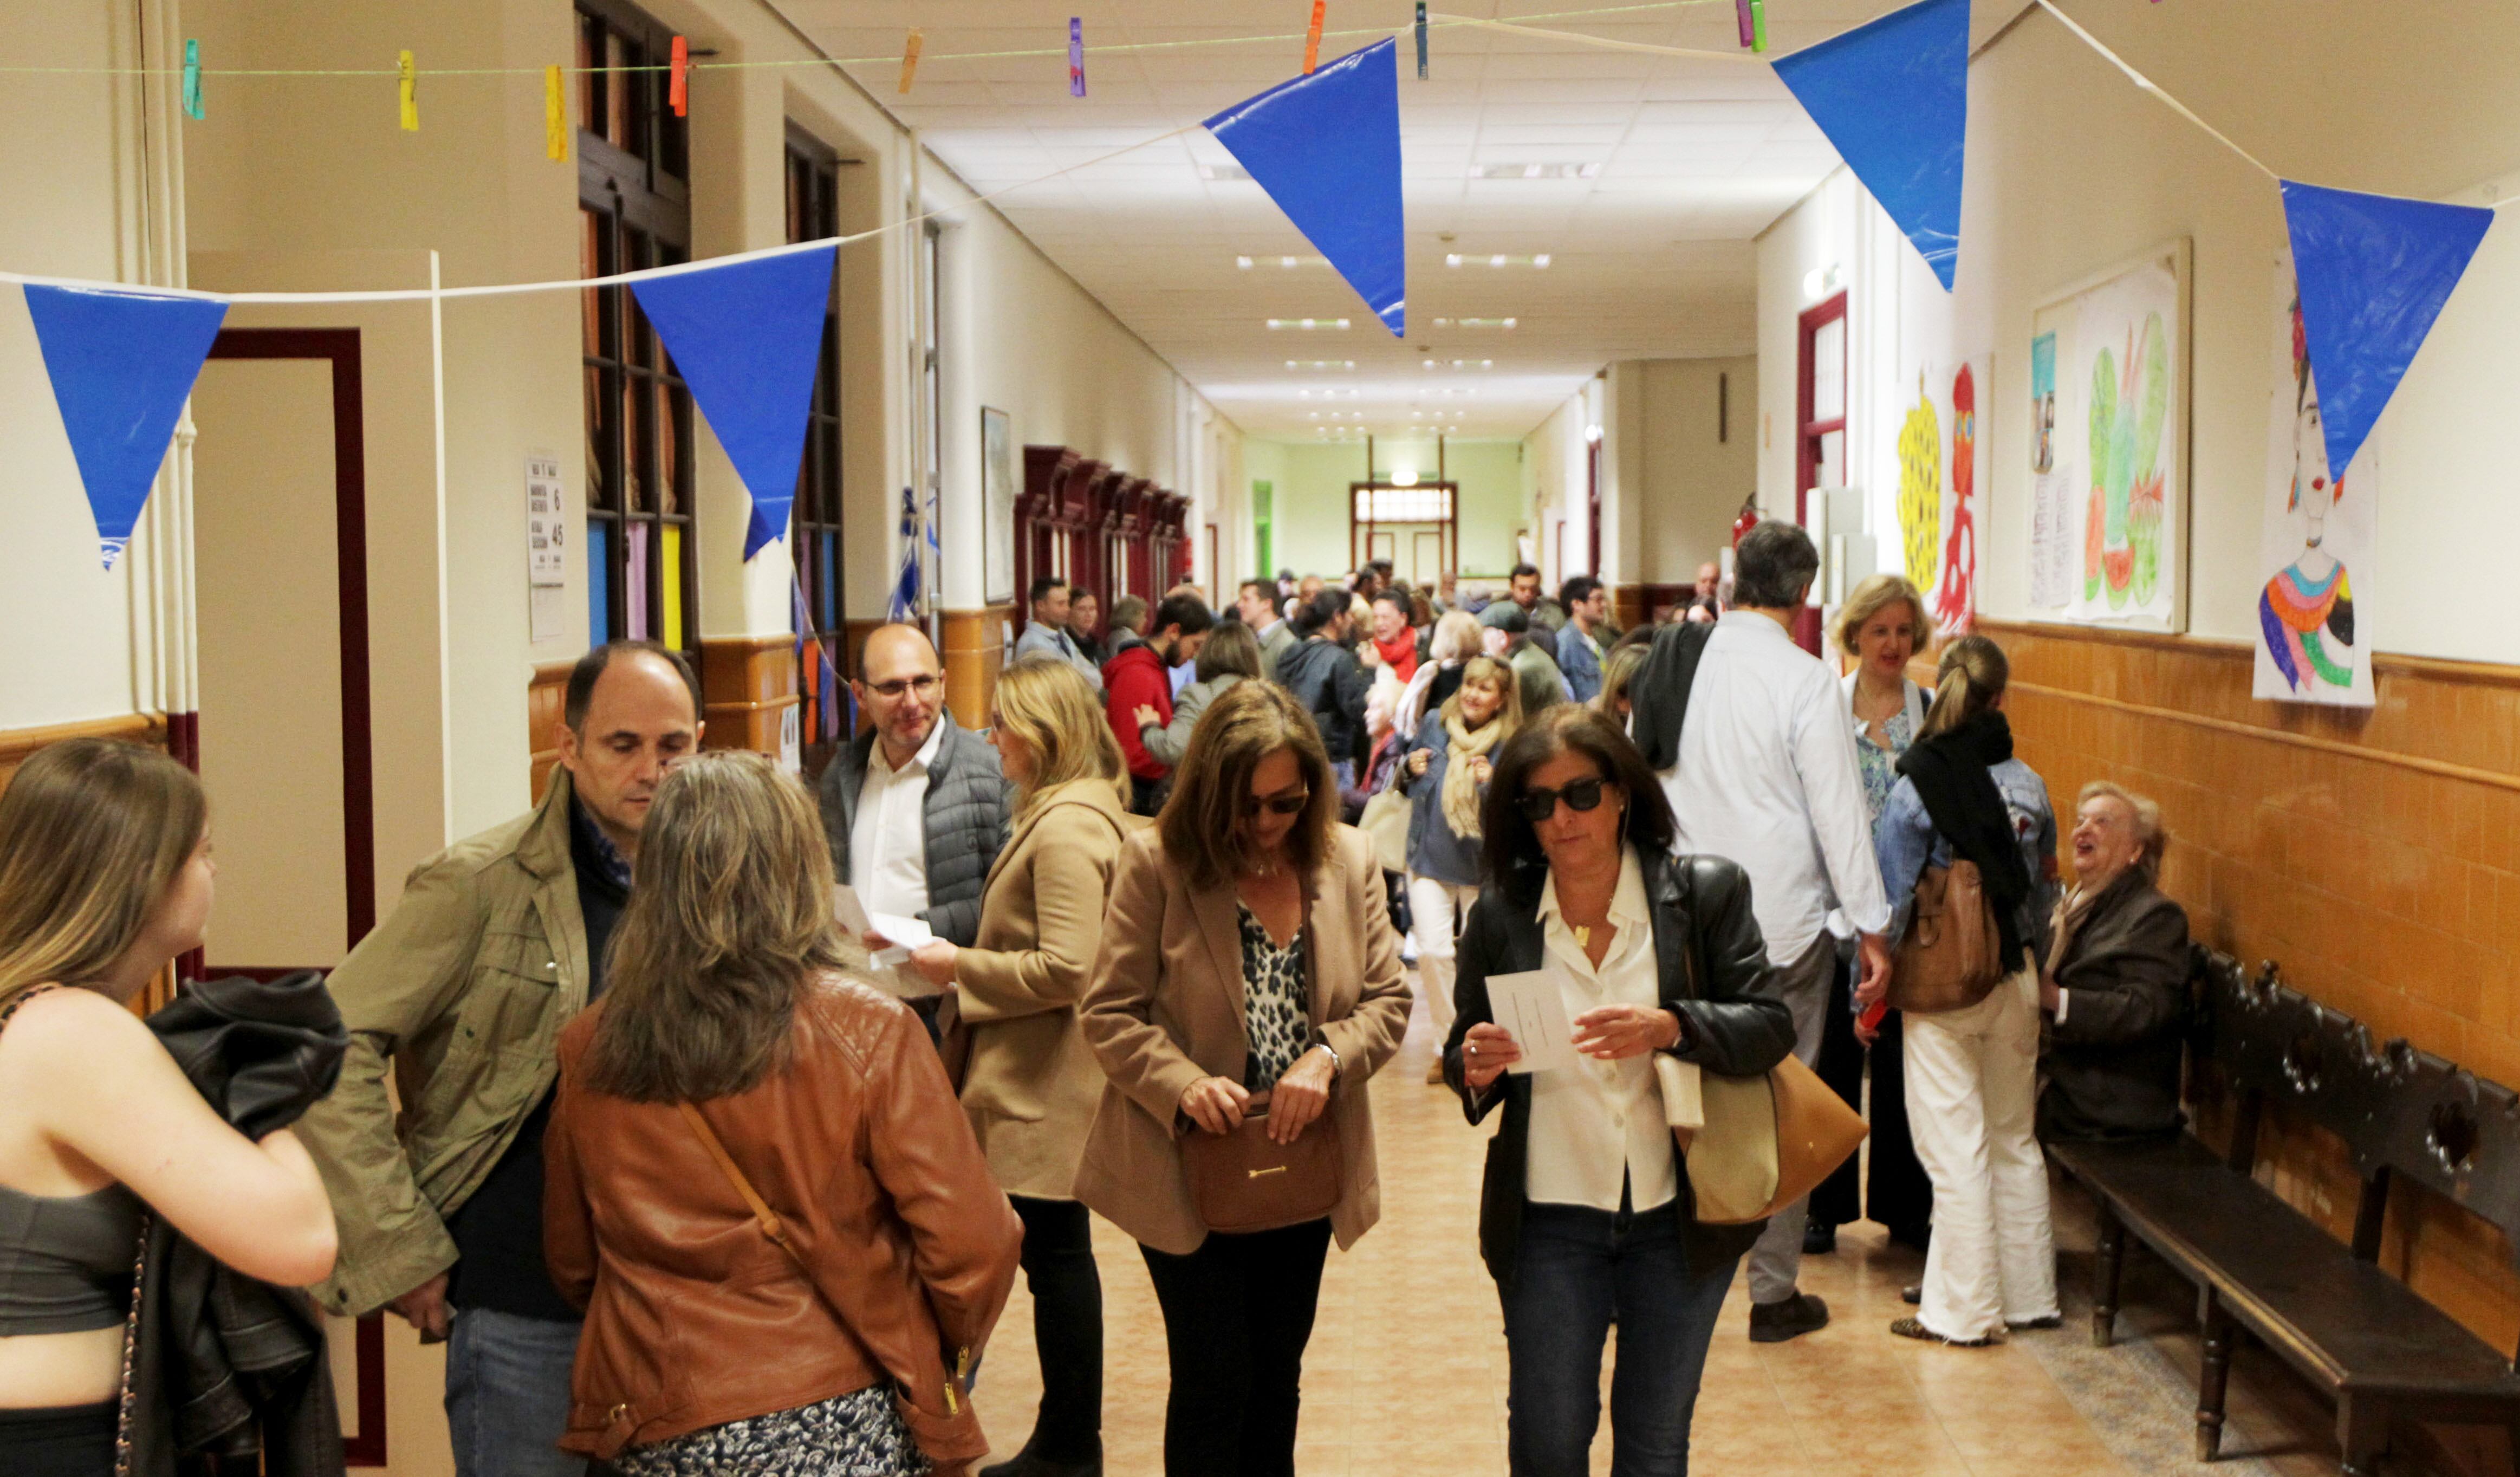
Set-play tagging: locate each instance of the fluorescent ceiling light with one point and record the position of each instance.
(1535, 171)
(1474, 322)
(1232, 172)
(1320, 363)
(1308, 323)
(1493, 258)
(1246, 264)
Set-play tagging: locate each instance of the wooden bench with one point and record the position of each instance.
(2325, 1307)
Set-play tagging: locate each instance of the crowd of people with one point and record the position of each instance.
(610, 1103)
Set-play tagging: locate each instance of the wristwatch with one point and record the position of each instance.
(1337, 1068)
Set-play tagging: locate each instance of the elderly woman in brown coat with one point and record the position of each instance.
(1032, 1083)
(1247, 956)
(2115, 986)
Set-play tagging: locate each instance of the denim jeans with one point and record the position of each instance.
(506, 1394)
(1578, 1268)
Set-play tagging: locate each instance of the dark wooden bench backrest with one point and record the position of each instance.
(2399, 1112)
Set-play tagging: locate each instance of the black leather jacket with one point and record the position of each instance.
(1715, 973)
(225, 1368)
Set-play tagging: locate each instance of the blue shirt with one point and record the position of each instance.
(1906, 840)
(1579, 658)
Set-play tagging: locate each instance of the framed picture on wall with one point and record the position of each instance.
(2108, 446)
(997, 507)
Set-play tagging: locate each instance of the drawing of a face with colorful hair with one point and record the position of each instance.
(2309, 604)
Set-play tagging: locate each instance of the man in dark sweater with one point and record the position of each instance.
(462, 992)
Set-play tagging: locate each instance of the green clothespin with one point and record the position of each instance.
(193, 80)
(1758, 25)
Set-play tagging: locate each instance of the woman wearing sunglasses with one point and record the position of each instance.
(1586, 1217)
(1247, 961)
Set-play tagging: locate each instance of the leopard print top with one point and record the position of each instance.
(1276, 1013)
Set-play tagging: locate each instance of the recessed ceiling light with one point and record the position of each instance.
(1535, 171)
(1496, 258)
(1246, 264)
(1308, 323)
(1316, 415)
(1224, 171)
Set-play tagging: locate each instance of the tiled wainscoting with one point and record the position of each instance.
(2374, 854)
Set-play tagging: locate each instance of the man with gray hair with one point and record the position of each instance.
(1765, 775)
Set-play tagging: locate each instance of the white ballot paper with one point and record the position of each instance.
(1531, 1007)
(881, 968)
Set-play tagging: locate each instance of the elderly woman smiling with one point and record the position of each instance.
(2115, 984)
(1587, 1216)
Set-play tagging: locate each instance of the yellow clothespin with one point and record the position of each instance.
(410, 94)
(910, 58)
(555, 116)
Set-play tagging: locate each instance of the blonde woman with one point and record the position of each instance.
(105, 877)
(1619, 673)
(1447, 772)
(1247, 957)
(710, 1348)
(1032, 1084)
(1881, 627)
(1455, 640)
(1972, 1073)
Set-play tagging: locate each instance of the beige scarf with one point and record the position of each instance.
(1461, 792)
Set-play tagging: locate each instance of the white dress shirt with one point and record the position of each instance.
(1597, 1124)
(1767, 777)
(888, 837)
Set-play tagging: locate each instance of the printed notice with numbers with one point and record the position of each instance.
(547, 535)
(1532, 1009)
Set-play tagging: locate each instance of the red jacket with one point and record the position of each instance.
(1135, 678)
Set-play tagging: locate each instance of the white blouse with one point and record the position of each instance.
(1598, 1122)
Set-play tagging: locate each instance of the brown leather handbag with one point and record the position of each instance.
(1243, 1181)
(1953, 954)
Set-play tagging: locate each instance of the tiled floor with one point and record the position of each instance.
(1407, 1369)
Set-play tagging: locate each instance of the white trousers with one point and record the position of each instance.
(1436, 911)
(1972, 1083)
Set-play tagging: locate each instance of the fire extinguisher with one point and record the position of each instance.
(1748, 520)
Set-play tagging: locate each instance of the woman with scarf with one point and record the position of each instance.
(1447, 774)
(1972, 1073)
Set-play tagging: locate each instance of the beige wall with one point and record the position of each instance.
(1312, 513)
(1674, 471)
(2038, 215)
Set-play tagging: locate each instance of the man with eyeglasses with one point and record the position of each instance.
(461, 993)
(915, 806)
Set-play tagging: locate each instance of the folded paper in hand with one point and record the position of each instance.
(1532, 1009)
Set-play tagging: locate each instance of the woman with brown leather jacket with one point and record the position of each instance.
(759, 1185)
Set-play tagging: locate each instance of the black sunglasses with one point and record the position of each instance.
(1279, 804)
(1538, 806)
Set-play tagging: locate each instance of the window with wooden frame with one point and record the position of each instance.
(818, 542)
(634, 211)
(1819, 415)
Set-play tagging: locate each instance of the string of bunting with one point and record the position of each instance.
(1890, 93)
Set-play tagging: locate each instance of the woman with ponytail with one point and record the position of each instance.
(1972, 1073)
(1445, 774)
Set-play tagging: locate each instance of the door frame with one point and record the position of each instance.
(339, 348)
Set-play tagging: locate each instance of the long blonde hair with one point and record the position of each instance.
(1046, 705)
(728, 922)
(92, 832)
(1971, 676)
(1457, 635)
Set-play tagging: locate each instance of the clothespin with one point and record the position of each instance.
(193, 80)
(555, 116)
(410, 88)
(1421, 40)
(1076, 56)
(1313, 39)
(910, 58)
(1759, 25)
(1749, 29)
(678, 81)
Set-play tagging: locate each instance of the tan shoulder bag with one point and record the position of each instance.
(1951, 955)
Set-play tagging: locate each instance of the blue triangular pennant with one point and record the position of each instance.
(1327, 148)
(747, 337)
(122, 365)
(2374, 271)
(1892, 95)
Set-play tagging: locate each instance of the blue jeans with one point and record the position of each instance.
(507, 1395)
(1578, 1268)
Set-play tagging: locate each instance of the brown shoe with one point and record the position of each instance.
(1792, 1317)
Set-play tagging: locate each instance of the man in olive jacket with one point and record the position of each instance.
(498, 941)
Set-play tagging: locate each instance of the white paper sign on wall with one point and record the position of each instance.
(547, 536)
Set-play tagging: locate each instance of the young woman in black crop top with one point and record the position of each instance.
(106, 877)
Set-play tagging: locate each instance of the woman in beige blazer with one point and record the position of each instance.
(1032, 1083)
(1247, 952)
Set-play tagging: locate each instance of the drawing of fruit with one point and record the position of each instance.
(2130, 408)
(1920, 489)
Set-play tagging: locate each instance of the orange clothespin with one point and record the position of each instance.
(910, 58)
(1313, 39)
(678, 83)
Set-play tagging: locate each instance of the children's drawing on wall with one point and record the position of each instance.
(2109, 436)
(1956, 596)
(1920, 485)
(2320, 528)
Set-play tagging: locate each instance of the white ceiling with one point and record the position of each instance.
(1649, 257)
